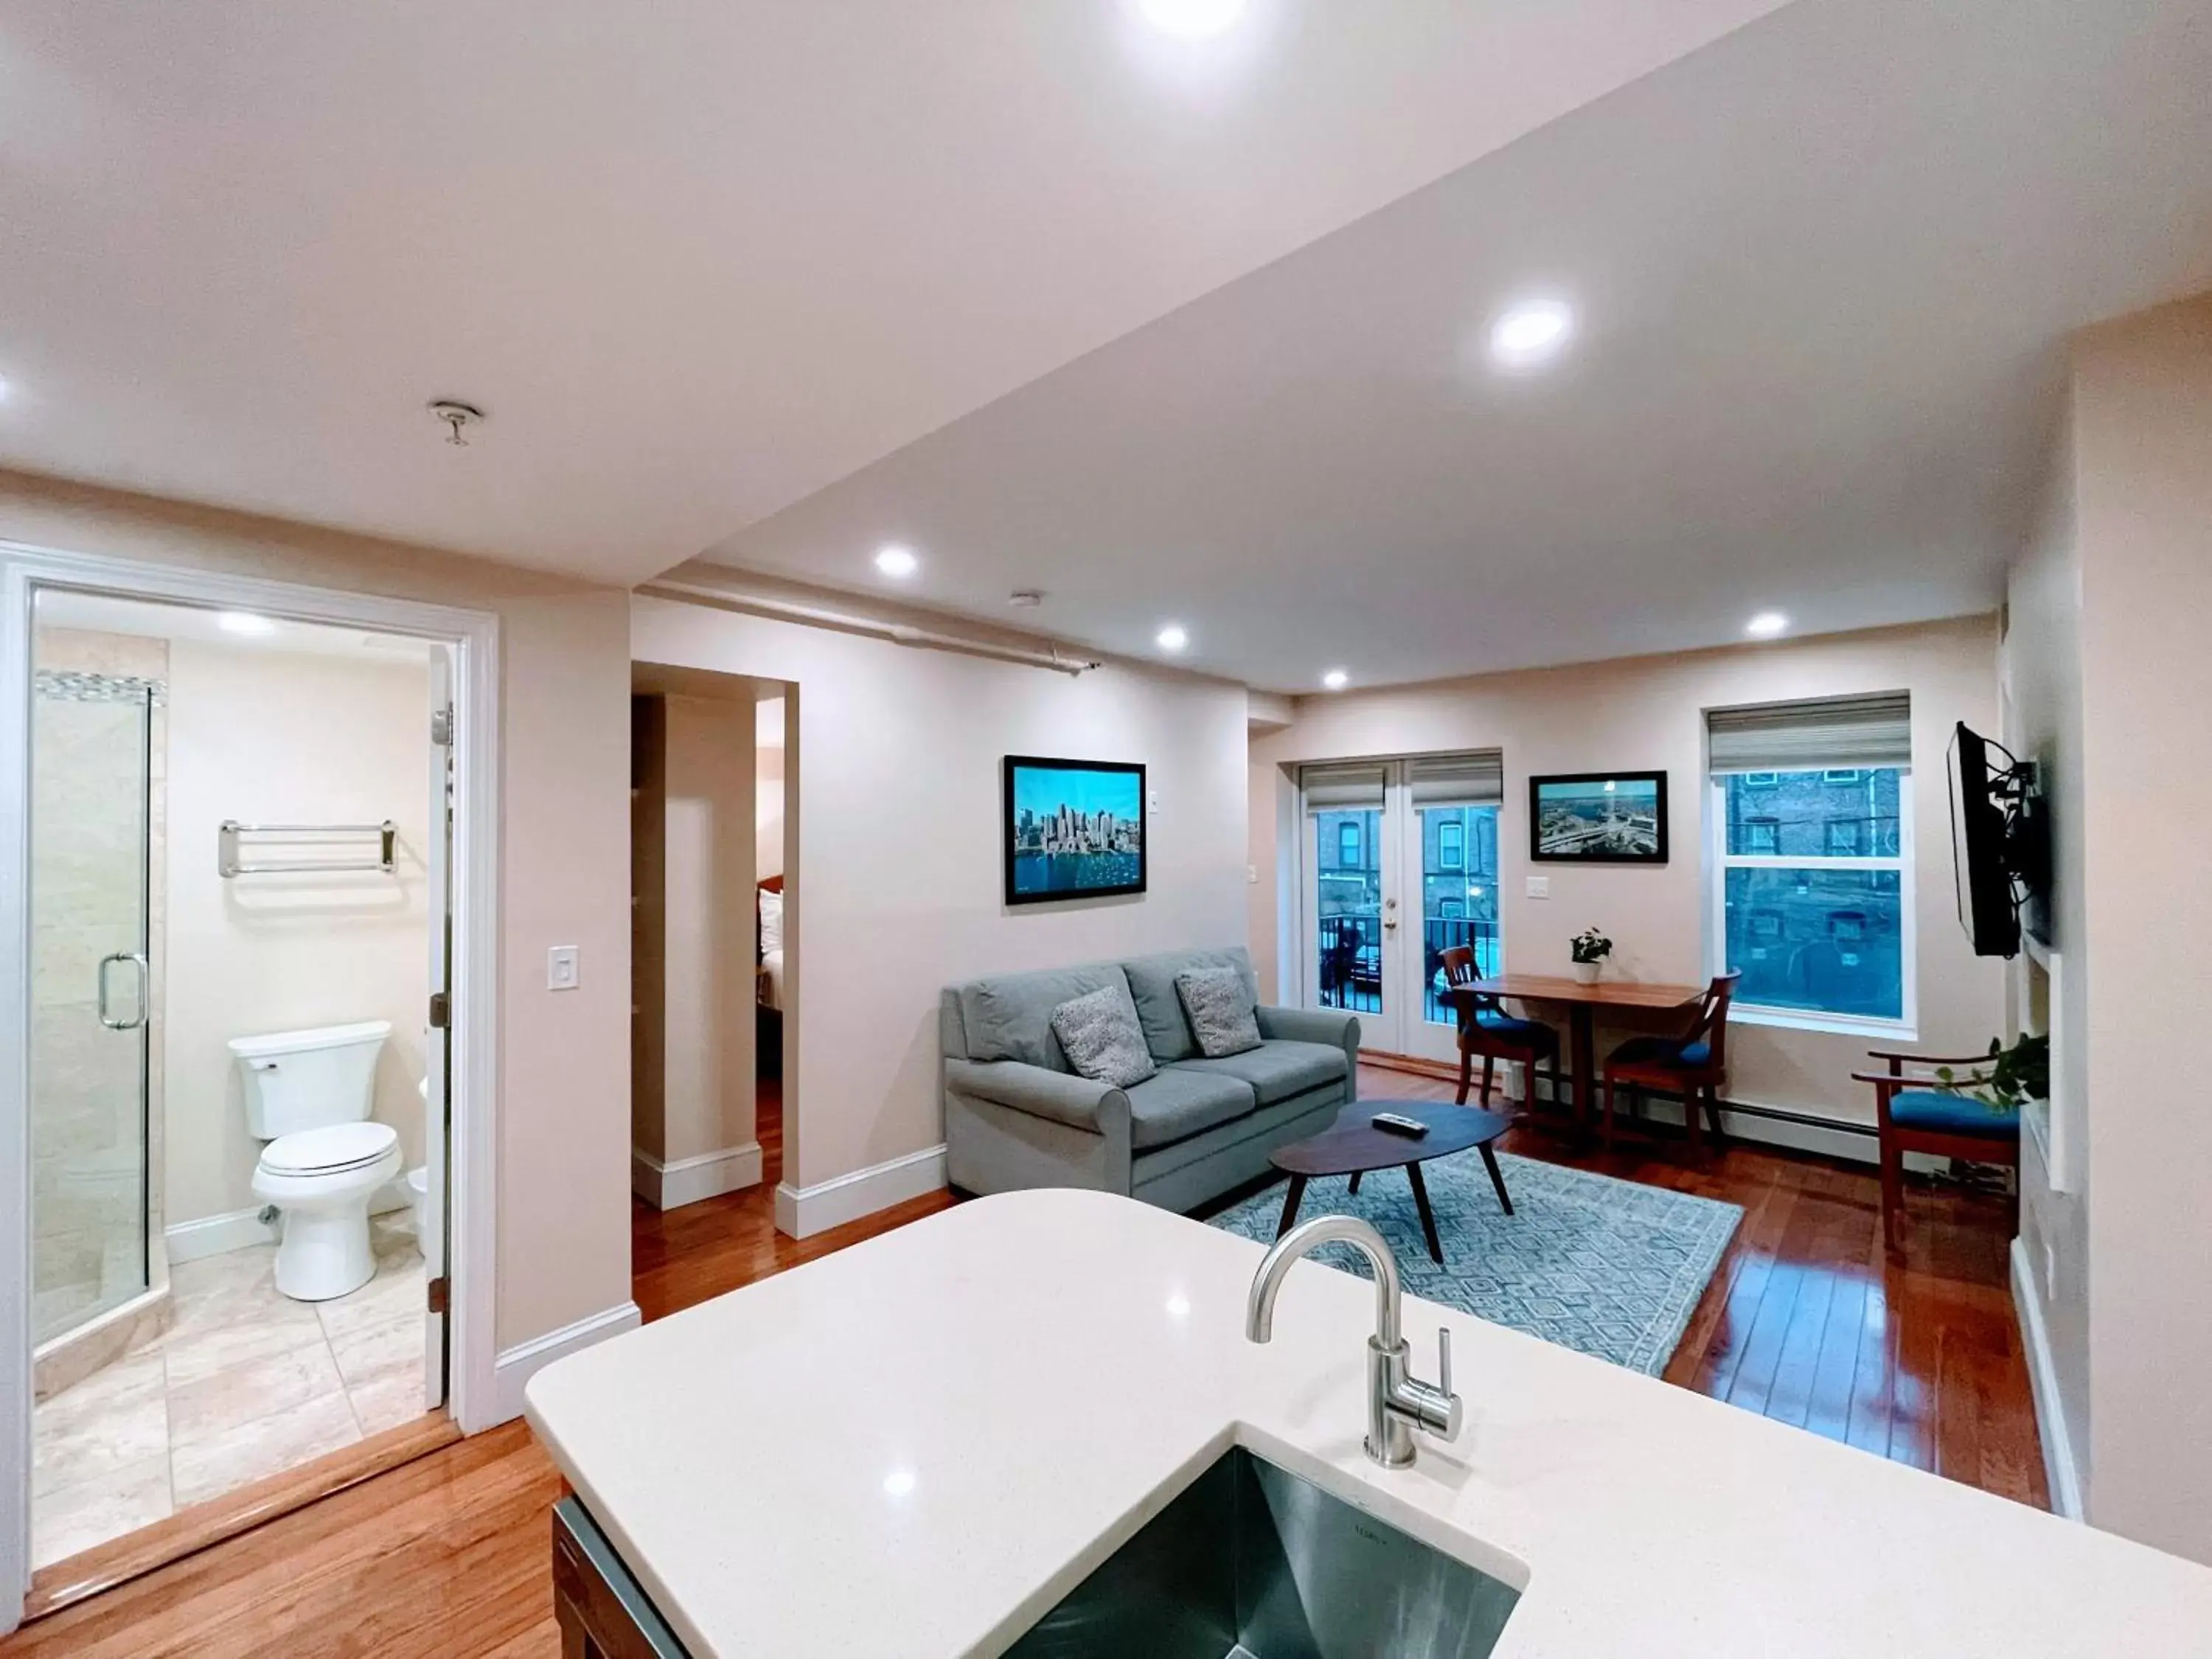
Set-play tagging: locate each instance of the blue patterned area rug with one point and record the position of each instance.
(1609, 1268)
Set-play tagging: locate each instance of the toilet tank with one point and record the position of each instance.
(299, 1080)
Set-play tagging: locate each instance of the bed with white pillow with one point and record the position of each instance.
(771, 944)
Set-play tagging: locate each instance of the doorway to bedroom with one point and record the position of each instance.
(713, 982)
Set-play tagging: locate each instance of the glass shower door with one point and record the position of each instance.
(90, 998)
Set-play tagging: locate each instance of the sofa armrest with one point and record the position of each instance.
(1042, 1092)
(1312, 1026)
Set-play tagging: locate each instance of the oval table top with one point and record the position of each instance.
(1353, 1144)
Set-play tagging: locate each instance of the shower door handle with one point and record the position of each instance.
(138, 1015)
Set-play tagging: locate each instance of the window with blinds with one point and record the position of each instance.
(1812, 866)
(1830, 733)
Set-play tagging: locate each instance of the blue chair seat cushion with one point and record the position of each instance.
(1671, 1053)
(1520, 1033)
(1954, 1115)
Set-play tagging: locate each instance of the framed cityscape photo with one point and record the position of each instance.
(1074, 828)
(1598, 817)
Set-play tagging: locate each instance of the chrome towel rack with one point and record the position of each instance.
(345, 842)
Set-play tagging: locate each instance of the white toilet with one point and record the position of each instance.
(308, 1094)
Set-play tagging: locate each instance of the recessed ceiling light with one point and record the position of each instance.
(1172, 637)
(1766, 624)
(1336, 679)
(1530, 334)
(1192, 19)
(899, 1482)
(896, 561)
(244, 622)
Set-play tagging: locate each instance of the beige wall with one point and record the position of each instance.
(707, 1075)
(897, 850)
(767, 801)
(269, 737)
(2042, 679)
(1648, 712)
(2142, 429)
(563, 1246)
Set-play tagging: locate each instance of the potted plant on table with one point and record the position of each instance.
(1591, 948)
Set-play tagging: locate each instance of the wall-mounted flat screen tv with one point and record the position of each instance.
(2000, 843)
(1074, 828)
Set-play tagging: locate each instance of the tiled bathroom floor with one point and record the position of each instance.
(244, 1384)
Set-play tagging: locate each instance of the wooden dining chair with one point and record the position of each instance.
(1485, 1029)
(1693, 1065)
(1933, 1115)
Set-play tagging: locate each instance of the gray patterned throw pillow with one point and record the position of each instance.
(1101, 1037)
(1222, 1017)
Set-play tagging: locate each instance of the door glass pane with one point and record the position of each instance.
(1459, 896)
(1348, 909)
(88, 873)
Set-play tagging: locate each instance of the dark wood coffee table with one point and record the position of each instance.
(1352, 1146)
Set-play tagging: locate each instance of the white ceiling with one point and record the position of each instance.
(696, 259)
(1824, 267)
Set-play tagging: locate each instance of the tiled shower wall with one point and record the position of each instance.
(93, 1208)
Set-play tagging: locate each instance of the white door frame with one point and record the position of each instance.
(474, 636)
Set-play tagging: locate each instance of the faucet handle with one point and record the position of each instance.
(1443, 1358)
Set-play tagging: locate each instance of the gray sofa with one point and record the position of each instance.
(1017, 1115)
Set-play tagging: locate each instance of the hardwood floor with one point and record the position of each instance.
(1805, 1322)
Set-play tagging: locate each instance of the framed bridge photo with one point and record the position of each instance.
(1598, 817)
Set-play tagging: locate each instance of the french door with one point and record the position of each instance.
(1399, 863)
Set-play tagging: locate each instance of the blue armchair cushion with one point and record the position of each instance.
(1662, 1051)
(1953, 1115)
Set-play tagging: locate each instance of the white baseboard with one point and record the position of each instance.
(241, 1229)
(515, 1366)
(803, 1211)
(217, 1235)
(2063, 1473)
(688, 1180)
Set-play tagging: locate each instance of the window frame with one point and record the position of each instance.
(1455, 858)
(1356, 834)
(1719, 861)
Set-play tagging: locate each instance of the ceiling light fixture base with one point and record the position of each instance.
(456, 415)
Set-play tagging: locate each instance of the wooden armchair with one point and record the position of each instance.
(1693, 1065)
(1485, 1029)
(1929, 1114)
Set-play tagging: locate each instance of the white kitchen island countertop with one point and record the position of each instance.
(918, 1445)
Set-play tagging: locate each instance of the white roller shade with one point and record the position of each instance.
(1350, 786)
(1473, 780)
(1803, 737)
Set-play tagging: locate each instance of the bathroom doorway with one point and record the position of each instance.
(236, 1009)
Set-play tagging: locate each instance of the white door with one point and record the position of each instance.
(438, 1040)
(1399, 860)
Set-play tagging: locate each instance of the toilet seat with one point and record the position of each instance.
(330, 1150)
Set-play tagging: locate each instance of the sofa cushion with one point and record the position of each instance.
(1152, 984)
(1223, 1015)
(1099, 1034)
(1276, 1070)
(1009, 1016)
(1181, 1102)
(1954, 1115)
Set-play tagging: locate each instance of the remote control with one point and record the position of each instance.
(1390, 1123)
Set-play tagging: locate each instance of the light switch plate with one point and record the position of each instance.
(1252, 875)
(562, 972)
(1540, 887)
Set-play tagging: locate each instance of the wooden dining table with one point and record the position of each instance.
(1581, 1003)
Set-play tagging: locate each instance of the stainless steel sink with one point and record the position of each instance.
(1251, 1562)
